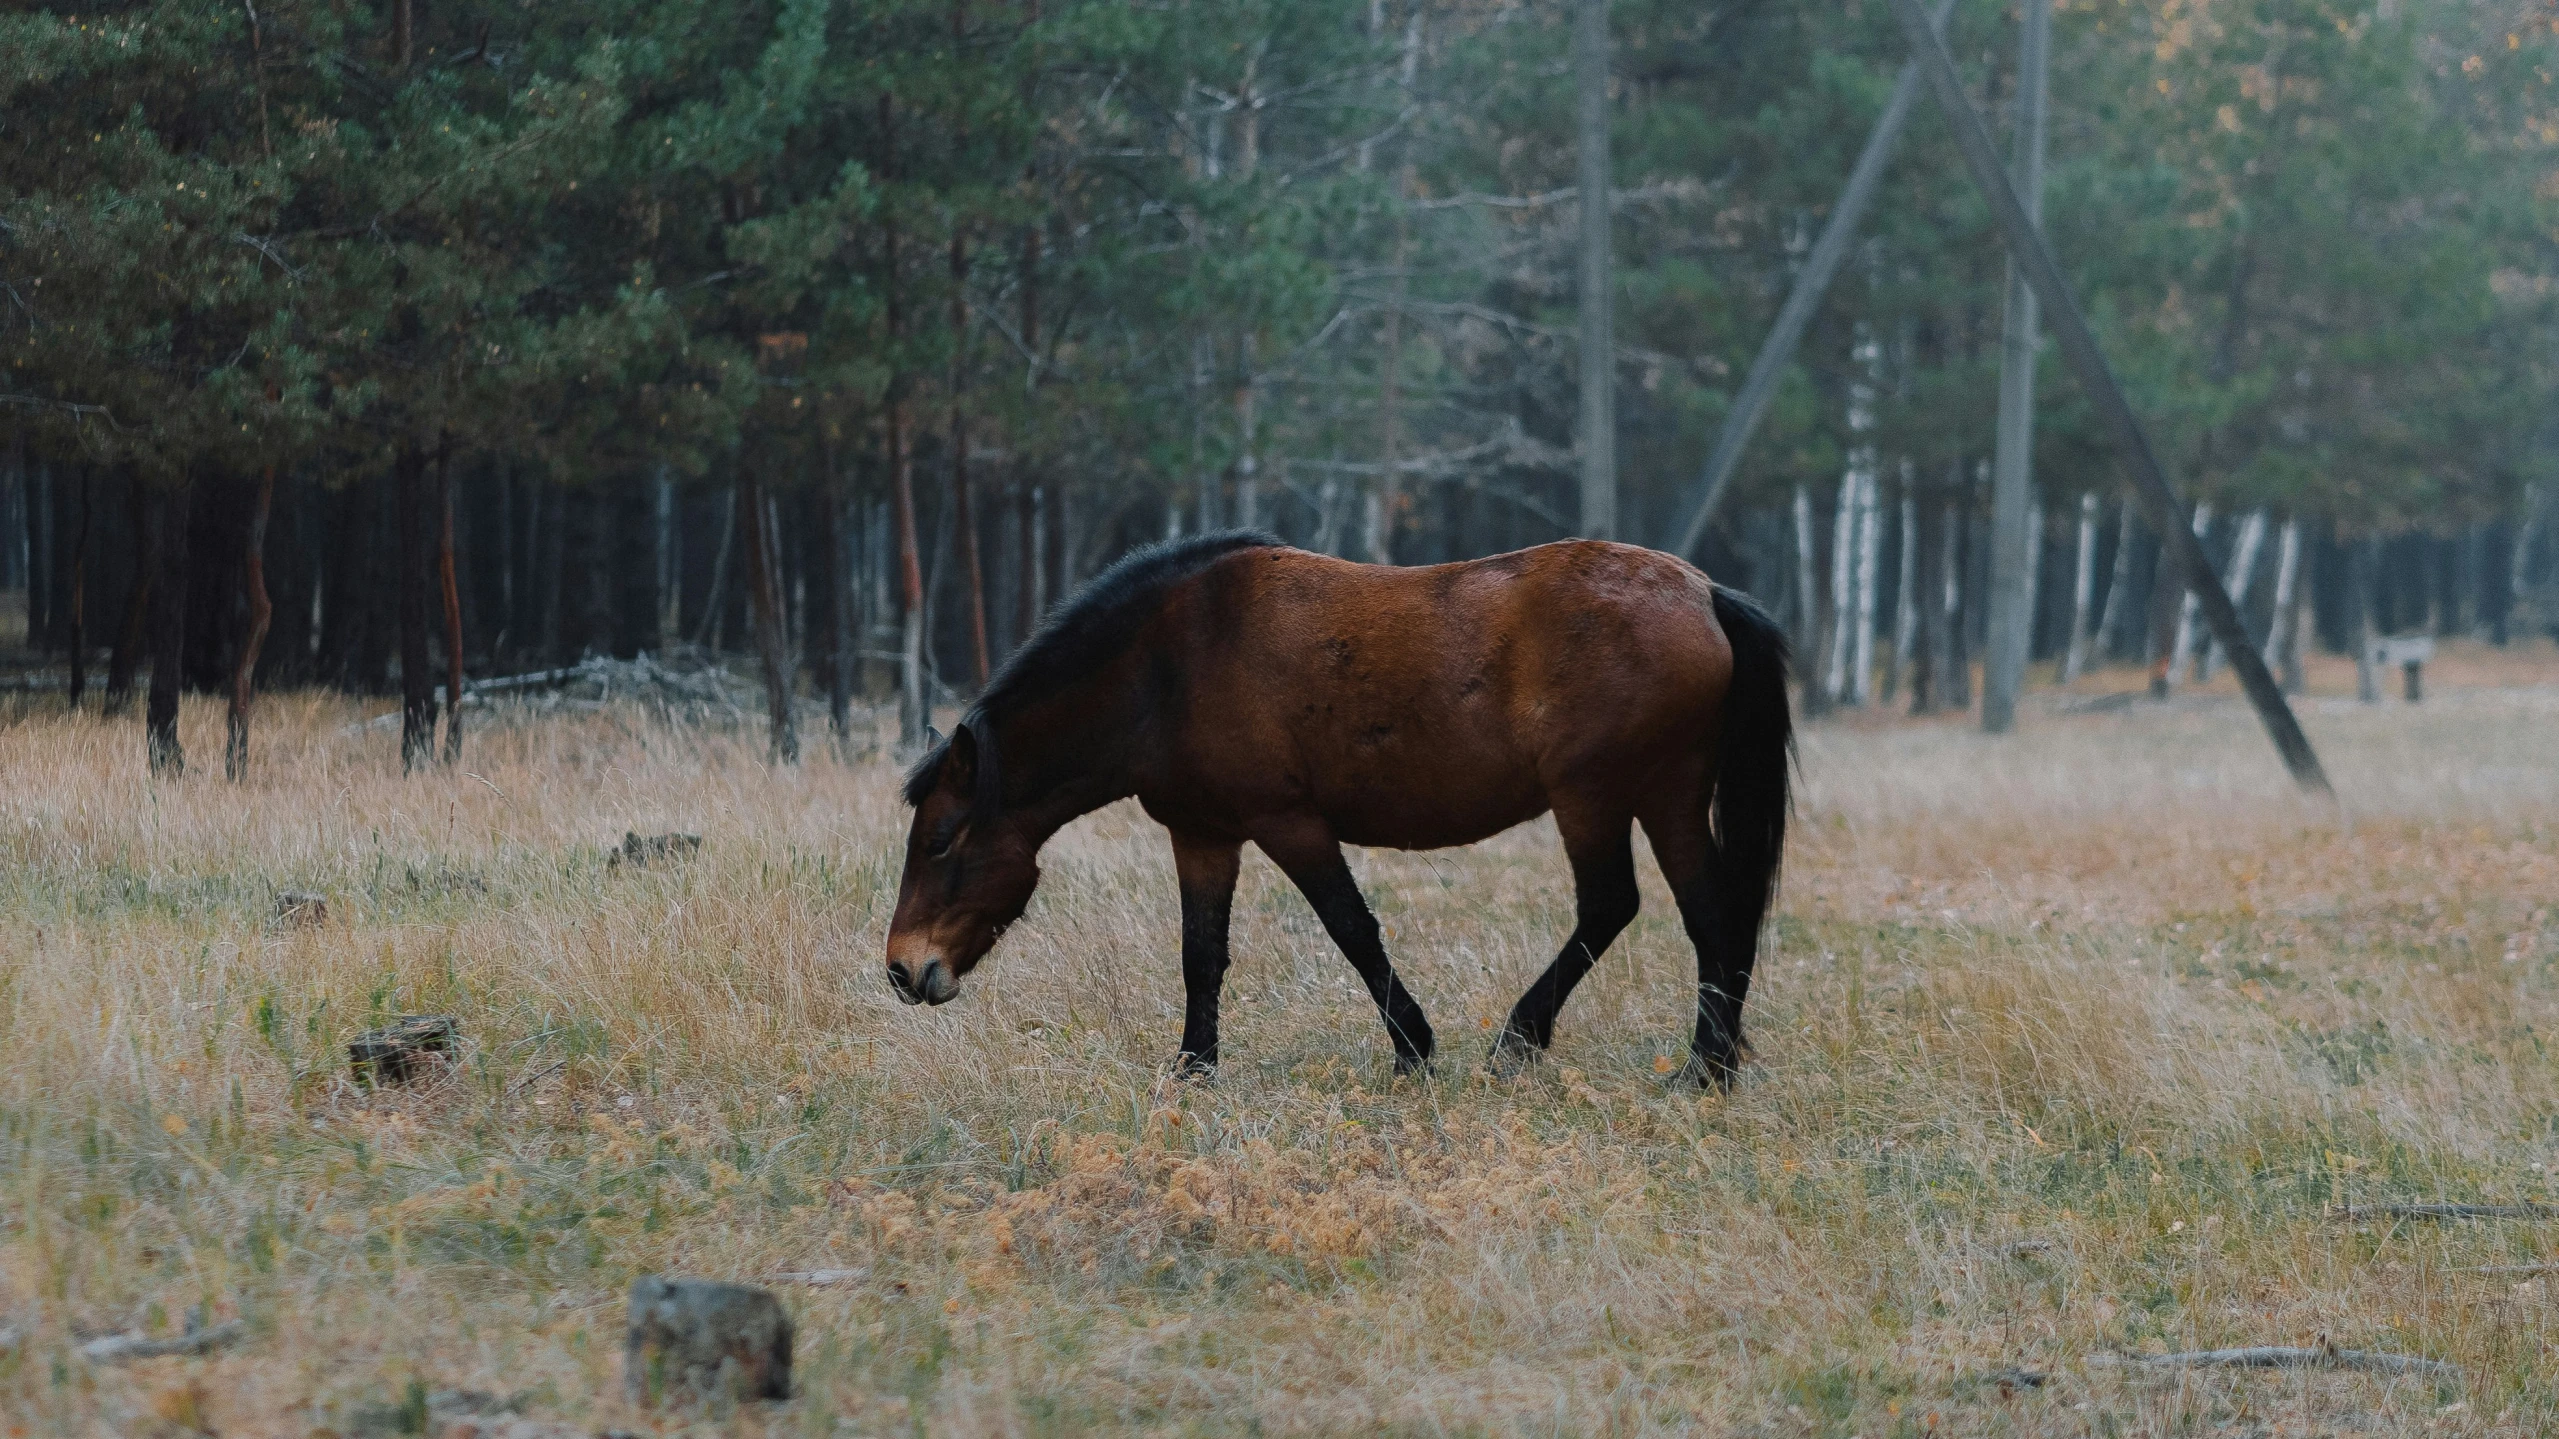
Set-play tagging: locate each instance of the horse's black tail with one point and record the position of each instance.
(1753, 774)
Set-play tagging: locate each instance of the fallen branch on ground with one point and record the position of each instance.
(116, 1348)
(2323, 1356)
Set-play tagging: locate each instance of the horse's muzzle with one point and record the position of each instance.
(934, 986)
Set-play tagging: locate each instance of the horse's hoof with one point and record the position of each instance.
(1513, 1054)
(1715, 1075)
(1409, 1064)
(1191, 1069)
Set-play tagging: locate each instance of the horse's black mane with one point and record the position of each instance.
(1086, 632)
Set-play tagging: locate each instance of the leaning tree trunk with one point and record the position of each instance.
(244, 669)
(75, 625)
(126, 656)
(763, 589)
(168, 551)
(417, 678)
(452, 603)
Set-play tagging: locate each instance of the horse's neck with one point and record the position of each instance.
(1073, 752)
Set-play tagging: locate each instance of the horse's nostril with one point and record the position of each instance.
(936, 986)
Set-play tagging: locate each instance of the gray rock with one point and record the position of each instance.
(703, 1339)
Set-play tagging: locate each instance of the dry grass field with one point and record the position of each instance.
(2066, 1049)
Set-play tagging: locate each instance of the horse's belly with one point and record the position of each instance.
(1419, 809)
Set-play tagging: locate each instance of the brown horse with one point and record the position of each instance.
(1246, 691)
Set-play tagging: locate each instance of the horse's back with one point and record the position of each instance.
(1434, 705)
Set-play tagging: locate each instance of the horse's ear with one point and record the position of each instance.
(932, 737)
(959, 761)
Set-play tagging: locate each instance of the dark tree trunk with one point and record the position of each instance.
(763, 587)
(168, 550)
(591, 531)
(715, 595)
(1931, 642)
(509, 634)
(1816, 669)
(289, 531)
(253, 588)
(452, 594)
(637, 558)
(555, 548)
(76, 624)
(1962, 565)
(126, 657)
(417, 676)
(834, 502)
(377, 631)
(964, 515)
(39, 488)
(2363, 566)
(340, 608)
(1029, 601)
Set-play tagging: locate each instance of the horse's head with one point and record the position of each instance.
(969, 871)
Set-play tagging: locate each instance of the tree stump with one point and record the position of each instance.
(300, 909)
(703, 1339)
(640, 849)
(403, 1050)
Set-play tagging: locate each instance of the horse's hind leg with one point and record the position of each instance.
(1604, 903)
(1312, 859)
(1688, 859)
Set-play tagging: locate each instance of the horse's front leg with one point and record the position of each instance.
(1206, 868)
(1309, 855)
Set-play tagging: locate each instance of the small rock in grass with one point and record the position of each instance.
(404, 1049)
(301, 909)
(705, 1339)
(640, 849)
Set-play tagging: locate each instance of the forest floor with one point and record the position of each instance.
(2069, 1046)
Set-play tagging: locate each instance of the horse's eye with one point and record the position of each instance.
(949, 843)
